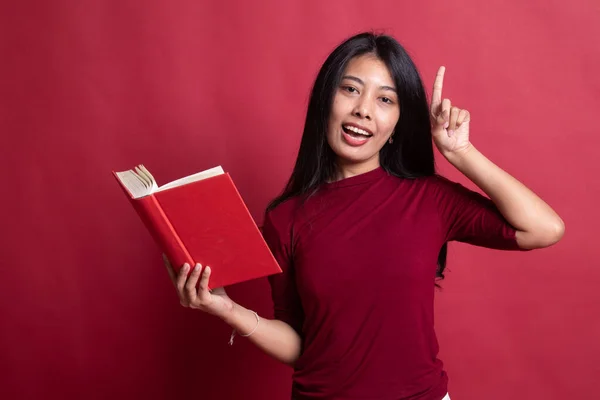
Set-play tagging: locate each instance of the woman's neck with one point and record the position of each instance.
(348, 169)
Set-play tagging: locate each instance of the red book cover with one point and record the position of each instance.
(206, 222)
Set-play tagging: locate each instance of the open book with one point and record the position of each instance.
(139, 182)
(201, 218)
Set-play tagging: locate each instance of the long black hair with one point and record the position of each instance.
(411, 153)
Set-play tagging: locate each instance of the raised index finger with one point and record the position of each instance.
(436, 96)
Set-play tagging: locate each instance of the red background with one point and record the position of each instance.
(86, 308)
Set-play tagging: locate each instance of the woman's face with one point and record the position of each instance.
(364, 113)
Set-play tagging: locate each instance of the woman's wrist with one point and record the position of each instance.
(239, 318)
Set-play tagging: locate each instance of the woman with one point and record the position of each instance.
(361, 228)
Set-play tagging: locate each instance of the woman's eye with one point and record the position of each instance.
(350, 89)
(387, 100)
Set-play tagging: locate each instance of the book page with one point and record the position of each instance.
(147, 176)
(133, 183)
(140, 182)
(209, 173)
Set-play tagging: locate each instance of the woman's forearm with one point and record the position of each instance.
(536, 222)
(276, 338)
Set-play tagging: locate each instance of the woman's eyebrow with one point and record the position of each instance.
(358, 80)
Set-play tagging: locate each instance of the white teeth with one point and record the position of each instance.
(357, 130)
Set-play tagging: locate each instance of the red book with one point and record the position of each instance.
(202, 219)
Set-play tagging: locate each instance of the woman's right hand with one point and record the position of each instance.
(215, 302)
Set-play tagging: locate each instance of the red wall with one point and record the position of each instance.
(86, 308)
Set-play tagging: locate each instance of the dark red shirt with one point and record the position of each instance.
(359, 260)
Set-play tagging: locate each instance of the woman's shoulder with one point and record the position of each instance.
(439, 187)
(444, 189)
(282, 213)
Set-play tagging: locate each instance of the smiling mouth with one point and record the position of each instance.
(356, 132)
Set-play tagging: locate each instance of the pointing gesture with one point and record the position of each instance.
(450, 125)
